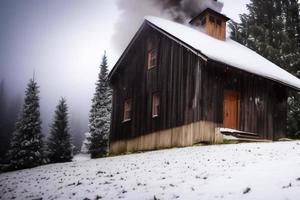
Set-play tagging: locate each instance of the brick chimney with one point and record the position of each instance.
(213, 23)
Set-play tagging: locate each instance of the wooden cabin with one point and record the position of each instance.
(177, 85)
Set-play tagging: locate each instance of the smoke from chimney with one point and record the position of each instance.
(133, 12)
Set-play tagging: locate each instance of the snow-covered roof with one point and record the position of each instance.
(228, 52)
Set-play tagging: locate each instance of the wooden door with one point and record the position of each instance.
(231, 109)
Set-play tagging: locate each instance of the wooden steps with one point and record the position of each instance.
(241, 136)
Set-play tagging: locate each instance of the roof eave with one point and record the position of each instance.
(210, 10)
(269, 78)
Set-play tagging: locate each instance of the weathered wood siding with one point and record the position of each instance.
(218, 32)
(215, 28)
(181, 136)
(263, 103)
(190, 90)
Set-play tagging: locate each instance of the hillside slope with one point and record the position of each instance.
(239, 171)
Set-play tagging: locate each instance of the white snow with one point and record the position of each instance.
(228, 52)
(269, 170)
(229, 130)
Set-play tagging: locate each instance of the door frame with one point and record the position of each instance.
(237, 95)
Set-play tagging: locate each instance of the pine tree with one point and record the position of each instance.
(263, 30)
(59, 141)
(9, 119)
(292, 27)
(26, 146)
(293, 114)
(272, 29)
(291, 11)
(99, 119)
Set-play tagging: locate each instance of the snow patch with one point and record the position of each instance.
(242, 171)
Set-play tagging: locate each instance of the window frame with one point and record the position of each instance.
(127, 108)
(152, 55)
(152, 52)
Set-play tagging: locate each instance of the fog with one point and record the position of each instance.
(62, 42)
(133, 12)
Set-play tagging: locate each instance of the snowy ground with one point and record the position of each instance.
(239, 171)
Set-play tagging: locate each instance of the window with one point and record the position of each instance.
(152, 46)
(155, 105)
(127, 110)
(152, 58)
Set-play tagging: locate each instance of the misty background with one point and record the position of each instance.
(62, 42)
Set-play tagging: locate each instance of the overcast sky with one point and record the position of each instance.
(63, 42)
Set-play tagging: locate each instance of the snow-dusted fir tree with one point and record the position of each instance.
(59, 141)
(26, 146)
(293, 116)
(99, 119)
(265, 30)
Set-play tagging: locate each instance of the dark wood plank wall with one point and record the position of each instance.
(263, 103)
(190, 90)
